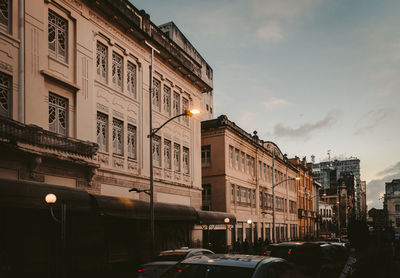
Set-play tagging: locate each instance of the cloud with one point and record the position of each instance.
(390, 170)
(305, 130)
(372, 119)
(376, 188)
(275, 103)
(287, 10)
(270, 32)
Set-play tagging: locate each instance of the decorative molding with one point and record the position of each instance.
(5, 66)
(167, 174)
(76, 3)
(103, 159)
(102, 94)
(132, 166)
(118, 162)
(85, 77)
(177, 176)
(35, 51)
(132, 120)
(118, 102)
(157, 172)
(102, 107)
(118, 114)
(186, 178)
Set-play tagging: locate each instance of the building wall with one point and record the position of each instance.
(243, 191)
(73, 77)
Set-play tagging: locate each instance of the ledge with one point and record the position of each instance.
(62, 81)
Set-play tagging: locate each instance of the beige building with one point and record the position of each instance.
(237, 170)
(74, 112)
(307, 198)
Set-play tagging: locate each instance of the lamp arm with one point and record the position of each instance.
(155, 130)
(53, 216)
(291, 179)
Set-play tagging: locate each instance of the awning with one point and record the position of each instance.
(214, 217)
(136, 209)
(26, 194)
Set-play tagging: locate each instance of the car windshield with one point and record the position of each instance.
(173, 256)
(208, 271)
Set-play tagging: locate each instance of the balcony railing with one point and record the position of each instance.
(14, 132)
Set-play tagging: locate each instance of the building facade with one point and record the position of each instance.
(326, 219)
(307, 198)
(239, 171)
(328, 173)
(74, 113)
(391, 205)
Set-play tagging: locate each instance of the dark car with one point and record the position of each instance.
(230, 265)
(167, 259)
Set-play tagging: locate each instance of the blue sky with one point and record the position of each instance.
(310, 75)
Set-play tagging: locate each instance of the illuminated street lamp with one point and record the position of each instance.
(51, 199)
(226, 221)
(273, 195)
(189, 113)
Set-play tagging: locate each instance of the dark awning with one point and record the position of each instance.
(26, 194)
(136, 209)
(214, 217)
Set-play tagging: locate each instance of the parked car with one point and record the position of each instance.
(167, 259)
(230, 265)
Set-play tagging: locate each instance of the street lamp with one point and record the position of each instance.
(51, 199)
(273, 196)
(226, 221)
(150, 191)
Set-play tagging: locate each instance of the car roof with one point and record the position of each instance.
(236, 260)
(182, 251)
(156, 263)
(294, 243)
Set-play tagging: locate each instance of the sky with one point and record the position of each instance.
(310, 75)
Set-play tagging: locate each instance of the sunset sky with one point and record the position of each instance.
(310, 75)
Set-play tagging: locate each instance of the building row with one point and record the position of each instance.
(75, 121)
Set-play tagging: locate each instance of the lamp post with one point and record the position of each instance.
(51, 199)
(273, 198)
(226, 221)
(153, 131)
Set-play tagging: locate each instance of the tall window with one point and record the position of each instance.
(117, 136)
(156, 151)
(176, 105)
(185, 106)
(102, 124)
(58, 114)
(116, 74)
(156, 95)
(206, 156)
(167, 154)
(397, 208)
(185, 160)
(206, 197)
(230, 156)
(248, 164)
(5, 19)
(237, 165)
(101, 61)
(131, 80)
(177, 157)
(232, 193)
(242, 161)
(167, 100)
(5, 94)
(58, 36)
(132, 142)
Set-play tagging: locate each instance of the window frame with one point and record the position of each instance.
(132, 148)
(167, 150)
(102, 147)
(131, 74)
(58, 107)
(118, 148)
(117, 80)
(7, 89)
(99, 62)
(57, 29)
(7, 28)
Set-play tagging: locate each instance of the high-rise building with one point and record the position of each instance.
(328, 173)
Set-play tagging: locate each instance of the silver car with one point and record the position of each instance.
(167, 259)
(229, 265)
